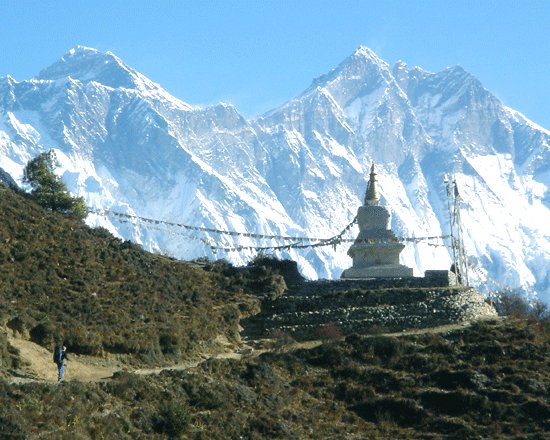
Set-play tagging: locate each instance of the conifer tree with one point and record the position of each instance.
(48, 190)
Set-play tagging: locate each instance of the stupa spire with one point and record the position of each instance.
(371, 196)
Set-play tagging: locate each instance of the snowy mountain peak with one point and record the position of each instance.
(459, 74)
(8, 79)
(85, 65)
(521, 119)
(362, 63)
(356, 76)
(365, 53)
(457, 69)
(400, 65)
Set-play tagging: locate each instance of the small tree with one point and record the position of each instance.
(48, 190)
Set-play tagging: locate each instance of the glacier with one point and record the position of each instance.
(192, 182)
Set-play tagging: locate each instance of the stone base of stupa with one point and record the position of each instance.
(361, 306)
(378, 271)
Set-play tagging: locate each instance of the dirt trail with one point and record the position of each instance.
(38, 364)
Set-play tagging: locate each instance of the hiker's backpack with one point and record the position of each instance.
(58, 354)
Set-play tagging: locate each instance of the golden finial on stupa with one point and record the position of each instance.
(372, 197)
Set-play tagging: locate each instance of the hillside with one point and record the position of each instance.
(120, 309)
(62, 281)
(487, 381)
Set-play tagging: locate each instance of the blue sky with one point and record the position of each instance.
(257, 54)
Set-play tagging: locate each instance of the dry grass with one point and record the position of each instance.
(489, 381)
(63, 282)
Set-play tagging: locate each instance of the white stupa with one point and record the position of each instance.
(376, 250)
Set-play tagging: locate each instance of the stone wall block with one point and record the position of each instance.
(356, 305)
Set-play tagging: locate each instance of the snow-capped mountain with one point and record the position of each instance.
(301, 170)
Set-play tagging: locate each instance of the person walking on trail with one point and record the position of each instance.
(59, 356)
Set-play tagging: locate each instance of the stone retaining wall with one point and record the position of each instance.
(355, 306)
